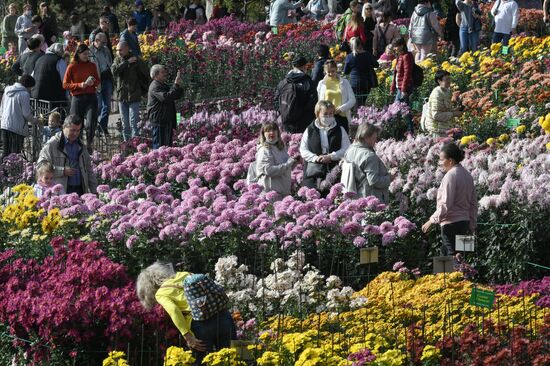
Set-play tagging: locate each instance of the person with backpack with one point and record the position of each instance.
(197, 305)
(403, 82)
(323, 144)
(196, 12)
(506, 15)
(360, 65)
(384, 34)
(296, 97)
(338, 91)
(424, 29)
(343, 20)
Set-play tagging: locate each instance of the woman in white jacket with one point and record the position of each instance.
(273, 165)
(338, 91)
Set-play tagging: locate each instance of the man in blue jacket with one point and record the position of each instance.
(143, 17)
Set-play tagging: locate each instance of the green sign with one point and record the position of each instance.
(180, 43)
(505, 50)
(416, 105)
(496, 94)
(2, 51)
(178, 118)
(482, 298)
(403, 30)
(274, 30)
(513, 122)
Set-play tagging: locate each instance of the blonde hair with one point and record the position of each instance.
(150, 280)
(355, 21)
(43, 168)
(325, 104)
(55, 117)
(267, 127)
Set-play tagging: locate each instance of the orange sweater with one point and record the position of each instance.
(76, 75)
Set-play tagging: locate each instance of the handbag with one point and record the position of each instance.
(205, 297)
(316, 170)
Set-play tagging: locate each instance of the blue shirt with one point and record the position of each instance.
(132, 40)
(72, 150)
(143, 19)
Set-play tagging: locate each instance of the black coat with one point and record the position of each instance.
(161, 106)
(318, 72)
(25, 63)
(49, 85)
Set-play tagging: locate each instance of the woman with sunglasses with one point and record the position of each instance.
(370, 24)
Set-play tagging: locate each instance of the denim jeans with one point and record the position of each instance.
(130, 117)
(501, 38)
(85, 106)
(468, 41)
(215, 333)
(104, 103)
(399, 97)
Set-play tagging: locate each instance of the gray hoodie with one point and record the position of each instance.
(16, 109)
(424, 26)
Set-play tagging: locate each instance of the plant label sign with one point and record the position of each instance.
(513, 123)
(178, 118)
(403, 30)
(465, 243)
(443, 264)
(505, 50)
(482, 298)
(180, 43)
(2, 51)
(368, 255)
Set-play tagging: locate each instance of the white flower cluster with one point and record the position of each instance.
(291, 287)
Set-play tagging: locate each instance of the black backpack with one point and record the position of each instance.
(290, 103)
(417, 75)
(191, 13)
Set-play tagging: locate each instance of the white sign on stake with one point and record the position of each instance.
(465, 243)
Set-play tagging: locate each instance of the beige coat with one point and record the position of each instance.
(273, 168)
(440, 117)
(54, 153)
(371, 175)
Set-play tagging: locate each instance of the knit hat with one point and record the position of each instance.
(299, 61)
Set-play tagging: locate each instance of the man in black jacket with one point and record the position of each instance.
(25, 62)
(104, 27)
(161, 106)
(296, 97)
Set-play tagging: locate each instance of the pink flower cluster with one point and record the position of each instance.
(75, 297)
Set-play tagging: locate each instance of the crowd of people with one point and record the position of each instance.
(318, 106)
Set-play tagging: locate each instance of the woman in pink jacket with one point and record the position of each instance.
(456, 211)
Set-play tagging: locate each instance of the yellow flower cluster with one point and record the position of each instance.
(466, 140)
(530, 47)
(24, 213)
(176, 356)
(521, 129)
(544, 122)
(224, 357)
(437, 303)
(269, 358)
(115, 358)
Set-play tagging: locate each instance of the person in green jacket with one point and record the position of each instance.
(342, 22)
(132, 80)
(8, 27)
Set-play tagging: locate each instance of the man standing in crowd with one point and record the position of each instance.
(131, 84)
(161, 106)
(105, 28)
(49, 22)
(506, 14)
(296, 97)
(71, 161)
(23, 28)
(278, 14)
(103, 59)
(196, 12)
(26, 61)
(8, 27)
(143, 18)
(113, 20)
(16, 113)
(130, 37)
(49, 72)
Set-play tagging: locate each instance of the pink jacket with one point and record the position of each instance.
(456, 198)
